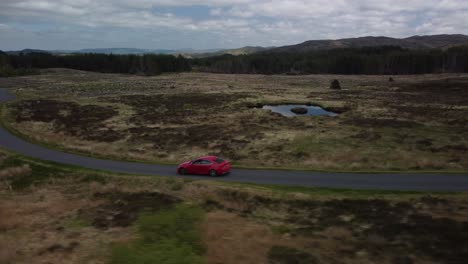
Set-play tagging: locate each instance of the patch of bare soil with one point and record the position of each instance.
(287, 255)
(122, 209)
(380, 228)
(70, 222)
(434, 100)
(215, 136)
(207, 121)
(234, 239)
(82, 121)
(34, 229)
(176, 108)
(377, 122)
(450, 91)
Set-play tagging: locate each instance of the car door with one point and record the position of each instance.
(194, 167)
(204, 167)
(200, 167)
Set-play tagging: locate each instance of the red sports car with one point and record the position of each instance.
(210, 165)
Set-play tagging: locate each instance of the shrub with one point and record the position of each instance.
(335, 85)
(286, 255)
(169, 236)
(12, 174)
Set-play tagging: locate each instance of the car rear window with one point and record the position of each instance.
(218, 160)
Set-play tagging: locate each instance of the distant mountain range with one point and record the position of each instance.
(119, 51)
(236, 52)
(414, 42)
(189, 53)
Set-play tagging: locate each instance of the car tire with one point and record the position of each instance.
(213, 173)
(182, 171)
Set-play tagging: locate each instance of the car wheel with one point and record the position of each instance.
(213, 173)
(182, 171)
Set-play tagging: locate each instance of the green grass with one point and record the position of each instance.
(382, 155)
(338, 192)
(40, 172)
(77, 223)
(280, 229)
(170, 237)
(94, 178)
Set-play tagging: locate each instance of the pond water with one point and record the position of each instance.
(285, 110)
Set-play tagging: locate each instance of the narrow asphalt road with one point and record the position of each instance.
(414, 182)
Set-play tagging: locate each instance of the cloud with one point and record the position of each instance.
(236, 22)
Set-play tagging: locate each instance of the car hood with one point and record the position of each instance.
(184, 164)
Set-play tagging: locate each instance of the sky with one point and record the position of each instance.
(210, 24)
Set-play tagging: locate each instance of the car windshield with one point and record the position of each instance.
(218, 160)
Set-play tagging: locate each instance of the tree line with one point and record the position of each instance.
(148, 64)
(368, 60)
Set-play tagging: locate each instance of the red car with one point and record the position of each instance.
(210, 165)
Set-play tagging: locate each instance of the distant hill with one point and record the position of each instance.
(117, 51)
(415, 42)
(135, 51)
(188, 53)
(121, 51)
(240, 51)
(26, 51)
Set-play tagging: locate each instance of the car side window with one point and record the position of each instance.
(205, 162)
(197, 162)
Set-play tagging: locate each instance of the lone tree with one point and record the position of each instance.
(335, 85)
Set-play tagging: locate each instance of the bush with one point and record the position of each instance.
(287, 255)
(169, 236)
(335, 85)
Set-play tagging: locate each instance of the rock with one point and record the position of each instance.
(335, 85)
(346, 218)
(299, 110)
(402, 260)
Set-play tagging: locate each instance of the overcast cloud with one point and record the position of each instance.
(204, 24)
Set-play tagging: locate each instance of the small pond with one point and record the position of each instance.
(308, 110)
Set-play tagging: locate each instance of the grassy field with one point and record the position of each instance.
(59, 214)
(414, 123)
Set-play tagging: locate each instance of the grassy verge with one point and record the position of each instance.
(34, 171)
(41, 171)
(169, 236)
(336, 192)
